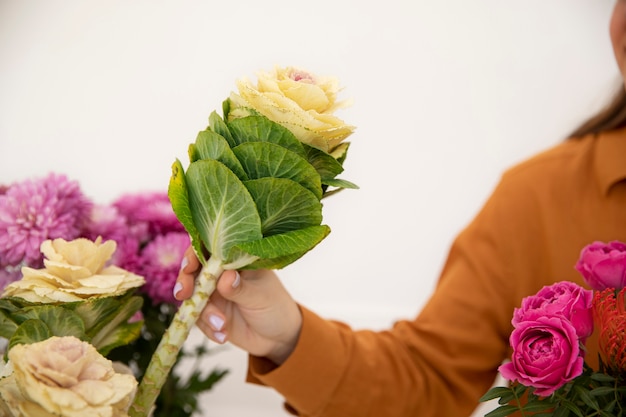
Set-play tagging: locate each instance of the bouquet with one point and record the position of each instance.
(142, 236)
(548, 372)
(250, 198)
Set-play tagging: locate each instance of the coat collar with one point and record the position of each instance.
(610, 158)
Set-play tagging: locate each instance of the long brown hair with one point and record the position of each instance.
(613, 116)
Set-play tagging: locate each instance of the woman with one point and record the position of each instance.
(528, 234)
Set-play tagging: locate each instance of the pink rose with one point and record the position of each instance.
(546, 354)
(564, 299)
(603, 265)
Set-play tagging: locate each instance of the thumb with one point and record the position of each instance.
(249, 289)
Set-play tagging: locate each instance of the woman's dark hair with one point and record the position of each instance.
(613, 116)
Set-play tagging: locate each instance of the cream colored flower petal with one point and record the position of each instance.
(307, 96)
(93, 255)
(66, 272)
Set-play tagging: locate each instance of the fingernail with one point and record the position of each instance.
(177, 288)
(219, 336)
(184, 263)
(216, 321)
(237, 280)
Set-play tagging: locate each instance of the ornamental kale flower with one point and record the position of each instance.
(37, 210)
(160, 262)
(603, 265)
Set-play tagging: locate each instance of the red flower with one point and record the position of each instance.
(610, 317)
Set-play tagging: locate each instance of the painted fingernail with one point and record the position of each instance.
(177, 288)
(219, 336)
(216, 322)
(184, 263)
(237, 280)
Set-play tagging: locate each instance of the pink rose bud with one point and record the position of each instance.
(603, 265)
(565, 299)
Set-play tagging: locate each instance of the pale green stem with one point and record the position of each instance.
(172, 342)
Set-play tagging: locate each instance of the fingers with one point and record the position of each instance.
(186, 276)
(213, 323)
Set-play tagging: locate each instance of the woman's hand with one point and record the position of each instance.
(250, 309)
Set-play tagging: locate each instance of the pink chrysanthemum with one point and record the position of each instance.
(161, 260)
(35, 210)
(107, 222)
(151, 210)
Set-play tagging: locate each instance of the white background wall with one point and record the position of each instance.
(446, 96)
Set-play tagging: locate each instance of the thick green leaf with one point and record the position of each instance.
(115, 324)
(58, 320)
(263, 159)
(96, 313)
(223, 210)
(121, 335)
(7, 325)
(261, 129)
(284, 205)
(210, 145)
(179, 197)
(30, 331)
(327, 166)
(278, 251)
(219, 126)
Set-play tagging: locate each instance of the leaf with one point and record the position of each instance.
(58, 320)
(121, 335)
(339, 183)
(261, 129)
(210, 145)
(600, 391)
(278, 251)
(262, 159)
(284, 205)
(30, 331)
(327, 166)
(496, 392)
(7, 326)
(179, 197)
(223, 210)
(502, 411)
(115, 326)
(219, 126)
(98, 312)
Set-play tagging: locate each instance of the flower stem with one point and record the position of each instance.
(166, 354)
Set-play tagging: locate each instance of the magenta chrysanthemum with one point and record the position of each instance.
(35, 210)
(152, 210)
(161, 260)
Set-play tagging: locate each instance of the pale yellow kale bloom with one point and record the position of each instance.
(299, 101)
(64, 376)
(74, 271)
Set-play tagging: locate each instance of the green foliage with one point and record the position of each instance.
(251, 196)
(179, 395)
(590, 394)
(103, 321)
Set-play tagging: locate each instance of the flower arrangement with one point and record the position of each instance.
(250, 198)
(548, 374)
(41, 219)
